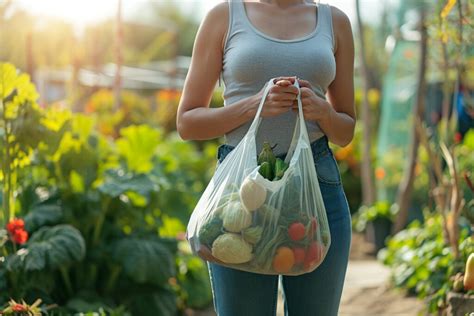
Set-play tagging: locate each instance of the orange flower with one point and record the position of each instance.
(379, 173)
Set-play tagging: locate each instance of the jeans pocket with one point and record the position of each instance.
(327, 169)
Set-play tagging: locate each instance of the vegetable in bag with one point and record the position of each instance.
(252, 194)
(232, 248)
(235, 218)
(261, 213)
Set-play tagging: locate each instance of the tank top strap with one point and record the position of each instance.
(236, 15)
(326, 26)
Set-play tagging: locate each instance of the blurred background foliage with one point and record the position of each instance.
(98, 173)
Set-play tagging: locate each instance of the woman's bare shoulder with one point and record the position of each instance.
(216, 20)
(341, 24)
(338, 16)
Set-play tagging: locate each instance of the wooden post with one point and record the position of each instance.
(118, 56)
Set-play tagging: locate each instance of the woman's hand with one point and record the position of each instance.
(314, 108)
(280, 98)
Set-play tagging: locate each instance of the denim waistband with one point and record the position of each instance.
(318, 147)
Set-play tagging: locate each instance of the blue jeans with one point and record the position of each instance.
(317, 293)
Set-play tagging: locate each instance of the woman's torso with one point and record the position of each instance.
(251, 57)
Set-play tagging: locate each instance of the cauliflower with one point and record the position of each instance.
(231, 248)
(236, 218)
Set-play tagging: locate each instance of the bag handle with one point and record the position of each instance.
(300, 130)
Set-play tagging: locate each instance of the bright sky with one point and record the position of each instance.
(82, 12)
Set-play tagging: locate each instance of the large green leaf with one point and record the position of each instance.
(116, 183)
(194, 280)
(27, 128)
(41, 215)
(138, 145)
(15, 90)
(86, 301)
(152, 302)
(76, 154)
(49, 248)
(8, 75)
(144, 260)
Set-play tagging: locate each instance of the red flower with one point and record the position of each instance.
(16, 228)
(20, 236)
(19, 308)
(457, 137)
(14, 224)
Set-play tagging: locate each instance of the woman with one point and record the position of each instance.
(250, 43)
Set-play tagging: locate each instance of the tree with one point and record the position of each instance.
(406, 186)
(368, 186)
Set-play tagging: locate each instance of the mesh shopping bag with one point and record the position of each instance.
(248, 221)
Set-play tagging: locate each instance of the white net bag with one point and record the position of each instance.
(262, 214)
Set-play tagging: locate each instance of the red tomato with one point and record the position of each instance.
(313, 255)
(300, 254)
(296, 231)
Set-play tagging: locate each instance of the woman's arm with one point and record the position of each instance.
(336, 117)
(340, 122)
(195, 120)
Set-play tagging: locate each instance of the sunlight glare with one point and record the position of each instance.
(78, 12)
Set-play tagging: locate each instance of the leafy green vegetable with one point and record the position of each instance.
(252, 234)
(210, 231)
(267, 246)
(280, 168)
(235, 218)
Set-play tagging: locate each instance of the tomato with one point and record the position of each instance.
(299, 254)
(313, 255)
(296, 231)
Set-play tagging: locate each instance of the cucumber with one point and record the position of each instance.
(266, 170)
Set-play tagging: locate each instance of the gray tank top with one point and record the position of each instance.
(252, 57)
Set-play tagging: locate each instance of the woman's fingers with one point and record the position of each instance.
(290, 79)
(304, 83)
(283, 83)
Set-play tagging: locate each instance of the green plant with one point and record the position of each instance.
(422, 262)
(20, 131)
(365, 214)
(103, 217)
